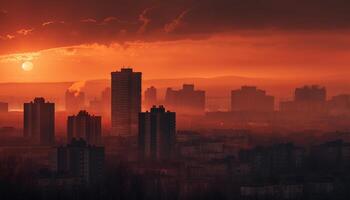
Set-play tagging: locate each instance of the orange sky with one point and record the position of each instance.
(277, 55)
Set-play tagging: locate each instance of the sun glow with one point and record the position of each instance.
(27, 66)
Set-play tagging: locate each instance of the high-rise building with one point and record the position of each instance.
(251, 99)
(126, 101)
(150, 97)
(186, 101)
(4, 107)
(75, 101)
(78, 159)
(157, 130)
(39, 121)
(84, 126)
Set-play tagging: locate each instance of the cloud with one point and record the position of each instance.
(170, 27)
(3, 11)
(20, 57)
(88, 20)
(109, 19)
(47, 23)
(7, 37)
(108, 22)
(24, 31)
(144, 20)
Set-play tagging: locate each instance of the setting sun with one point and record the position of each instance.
(27, 66)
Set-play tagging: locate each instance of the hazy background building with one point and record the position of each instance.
(75, 101)
(339, 105)
(84, 126)
(4, 107)
(150, 97)
(106, 101)
(186, 100)
(39, 121)
(157, 130)
(307, 100)
(251, 99)
(126, 101)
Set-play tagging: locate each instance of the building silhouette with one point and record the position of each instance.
(4, 107)
(75, 101)
(251, 99)
(157, 130)
(279, 159)
(78, 159)
(126, 101)
(84, 126)
(339, 105)
(307, 100)
(186, 100)
(150, 97)
(312, 93)
(39, 121)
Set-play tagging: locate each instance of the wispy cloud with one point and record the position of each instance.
(7, 37)
(3, 11)
(144, 20)
(177, 22)
(88, 20)
(25, 31)
(20, 57)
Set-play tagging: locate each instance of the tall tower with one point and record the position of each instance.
(84, 126)
(39, 121)
(126, 101)
(156, 134)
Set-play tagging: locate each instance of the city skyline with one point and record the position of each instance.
(175, 99)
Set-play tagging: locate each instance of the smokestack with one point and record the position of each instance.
(76, 87)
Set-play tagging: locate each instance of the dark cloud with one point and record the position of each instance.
(67, 22)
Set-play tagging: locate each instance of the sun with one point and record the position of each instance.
(27, 66)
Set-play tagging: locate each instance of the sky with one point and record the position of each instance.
(70, 40)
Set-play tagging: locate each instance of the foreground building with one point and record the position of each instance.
(126, 101)
(80, 160)
(157, 130)
(39, 121)
(84, 126)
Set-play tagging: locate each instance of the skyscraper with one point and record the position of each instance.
(39, 121)
(84, 126)
(126, 101)
(157, 130)
(150, 97)
(79, 159)
(251, 99)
